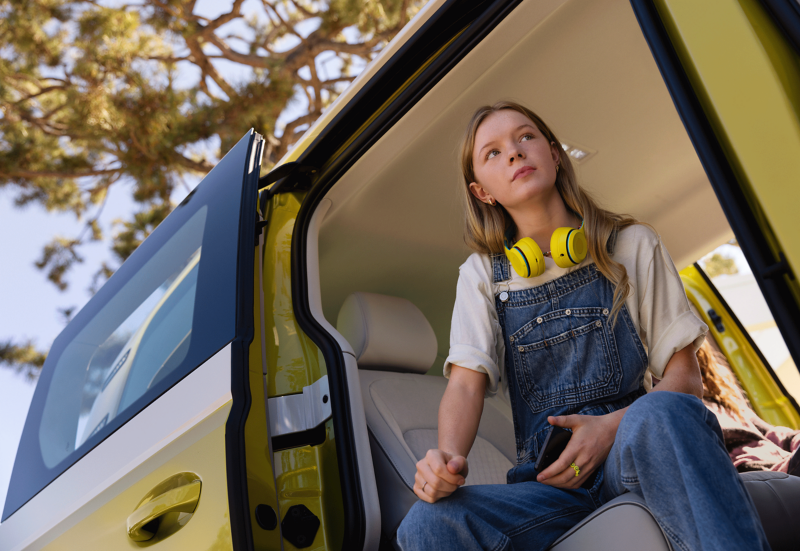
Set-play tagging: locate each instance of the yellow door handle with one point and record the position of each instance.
(182, 499)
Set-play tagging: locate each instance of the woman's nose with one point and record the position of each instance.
(517, 156)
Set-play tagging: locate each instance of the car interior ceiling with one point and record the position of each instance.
(395, 222)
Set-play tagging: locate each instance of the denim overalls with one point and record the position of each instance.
(563, 356)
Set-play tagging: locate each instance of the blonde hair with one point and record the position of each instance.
(486, 226)
(719, 386)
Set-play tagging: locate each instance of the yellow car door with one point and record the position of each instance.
(733, 70)
(134, 437)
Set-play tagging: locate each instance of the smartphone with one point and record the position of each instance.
(554, 443)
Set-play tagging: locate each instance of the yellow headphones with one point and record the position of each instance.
(567, 248)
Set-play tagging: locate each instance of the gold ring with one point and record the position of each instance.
(423, 486)
(576, 469)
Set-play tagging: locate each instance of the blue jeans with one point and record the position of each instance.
(668, 449)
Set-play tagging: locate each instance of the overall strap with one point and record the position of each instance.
(501, 268)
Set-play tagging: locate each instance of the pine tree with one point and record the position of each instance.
(94, 93)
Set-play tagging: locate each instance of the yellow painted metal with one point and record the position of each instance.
(293, 361)
(306, 475)
(747, 78)
(309, 476)
(200, 450)
(764, 393)
(166, 503)
(260, 478)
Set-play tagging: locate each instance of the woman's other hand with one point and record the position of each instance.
(589, 446)
(439, 474)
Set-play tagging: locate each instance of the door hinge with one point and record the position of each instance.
(288, 177)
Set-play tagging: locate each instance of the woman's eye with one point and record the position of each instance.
(492, 153)
(526, 137)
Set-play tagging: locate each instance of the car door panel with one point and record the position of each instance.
(152, 361)
(88, 506)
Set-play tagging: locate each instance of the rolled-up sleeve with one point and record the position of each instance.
(475, 337)
(664, 315)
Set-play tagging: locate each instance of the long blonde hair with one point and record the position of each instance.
(485, 226)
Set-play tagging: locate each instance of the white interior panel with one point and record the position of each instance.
(395, 220)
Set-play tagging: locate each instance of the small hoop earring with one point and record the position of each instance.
(490, 202)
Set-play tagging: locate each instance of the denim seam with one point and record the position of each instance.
(672, 536)
(553, 289)
(546, 518)
(632, 480)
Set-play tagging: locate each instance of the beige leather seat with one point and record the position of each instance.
(395, 345)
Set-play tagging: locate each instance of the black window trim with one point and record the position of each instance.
(235, 445)
(786, 14)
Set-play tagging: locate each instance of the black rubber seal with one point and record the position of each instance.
(236, 467)
(786, 14)
(729, 193)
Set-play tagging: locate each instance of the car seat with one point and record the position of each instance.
(395, 346)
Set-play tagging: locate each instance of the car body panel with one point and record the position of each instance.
(755, 377)
(87, 506)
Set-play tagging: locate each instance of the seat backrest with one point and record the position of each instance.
(395, 345)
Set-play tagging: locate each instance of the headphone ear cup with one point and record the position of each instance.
(526, 257)
(568, 247)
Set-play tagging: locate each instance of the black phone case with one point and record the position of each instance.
(555, 442)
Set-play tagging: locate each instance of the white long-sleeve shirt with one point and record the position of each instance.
(657, 305)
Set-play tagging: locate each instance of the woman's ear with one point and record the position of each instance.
(481, 194)
(554, 150)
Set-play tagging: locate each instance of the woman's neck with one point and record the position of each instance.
(538, 220)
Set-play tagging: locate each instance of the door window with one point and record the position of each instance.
(730, 273)
(169, 307)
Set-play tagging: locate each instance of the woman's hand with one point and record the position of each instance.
(589, 446)
(439, 474)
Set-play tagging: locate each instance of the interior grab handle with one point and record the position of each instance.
(183, 499)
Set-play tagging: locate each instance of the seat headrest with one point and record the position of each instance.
(387, 333)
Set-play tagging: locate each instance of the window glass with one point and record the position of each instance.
(146, 346)
(730, 273)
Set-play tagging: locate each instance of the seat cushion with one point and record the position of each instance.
(623, 524)
(777, 500)
(402, 417)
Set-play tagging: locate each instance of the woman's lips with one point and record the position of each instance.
(522, 171)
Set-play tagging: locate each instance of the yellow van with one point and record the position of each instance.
(263, 372)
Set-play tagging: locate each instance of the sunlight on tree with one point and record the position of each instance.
(717, 264)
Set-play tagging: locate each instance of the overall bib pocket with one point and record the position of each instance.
(566, 357)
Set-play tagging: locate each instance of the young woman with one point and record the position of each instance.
(573, 347)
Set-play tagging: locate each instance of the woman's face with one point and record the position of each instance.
(513, 162)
